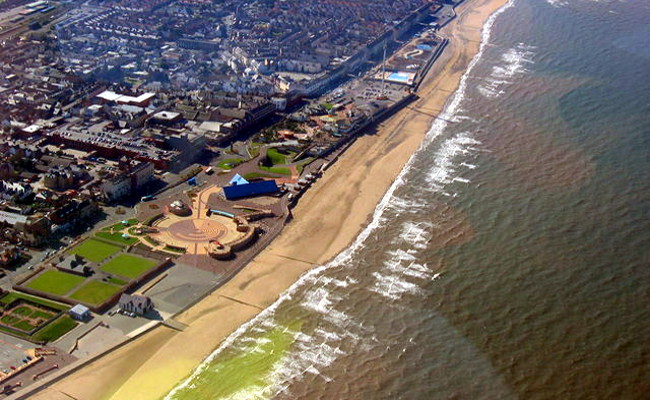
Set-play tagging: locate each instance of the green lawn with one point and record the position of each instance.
(55, 282)
(42, 314)
(133, 231)
(304, 162)
(95, 250)
(119, 226)
(229, 163)
(24, 325)
(254, 175)
(11, 296)
(276, 157)
(26, 311)
(55, 330)
(254, 151)
(277, 170)
(9, 319)
(117, 238)
(175, 249)
(151, 241)
(95, 292)
(128, 265)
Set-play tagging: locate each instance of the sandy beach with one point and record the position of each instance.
(326, 221)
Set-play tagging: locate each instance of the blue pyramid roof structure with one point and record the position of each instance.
(238, 180)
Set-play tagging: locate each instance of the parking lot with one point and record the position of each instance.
(12, 352)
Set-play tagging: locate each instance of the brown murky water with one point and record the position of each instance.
(513, 261)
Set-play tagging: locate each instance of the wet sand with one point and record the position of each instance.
(327, 219)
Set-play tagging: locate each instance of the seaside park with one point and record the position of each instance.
(124, 278)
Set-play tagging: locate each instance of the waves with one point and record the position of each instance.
(317, 292)
(558, 3)
(514, 62)
(444, 170)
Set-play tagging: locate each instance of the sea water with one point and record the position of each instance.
(510, 259)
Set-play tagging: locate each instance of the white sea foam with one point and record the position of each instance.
(443, 167)
(406, 205)
(459, 118)
(318, 300)
(344, 257)
(397, 273)
(416, 234)
(558, 3)
(513, 62)
(393, 286)
(564, 3)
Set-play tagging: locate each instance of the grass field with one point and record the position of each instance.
(25, 317)
(55, 330)
(133, 231)
(116, 281)
(41, 314)
(255, 175)
(11, 296)
(119, 226)
(95, 250)
(95, 292)
(9, 319)
(277, 170)
(128, 265)
(55, 282)
(175, 249)
(24, 325)
(276, 157)
(18, 318)
(301, 165)
(22, 311)
(117, 238)
(229, 163)
(151, 241)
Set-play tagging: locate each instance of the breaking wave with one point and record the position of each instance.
(513, 63)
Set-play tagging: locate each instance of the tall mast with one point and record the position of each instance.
(383, 71)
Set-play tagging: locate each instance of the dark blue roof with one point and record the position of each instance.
(250, 189)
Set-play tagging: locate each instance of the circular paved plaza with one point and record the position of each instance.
(197, 230)
(195, 234)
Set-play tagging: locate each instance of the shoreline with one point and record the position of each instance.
(327, 219)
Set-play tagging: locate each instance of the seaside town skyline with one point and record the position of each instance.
(324, 199)
(151, 144)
